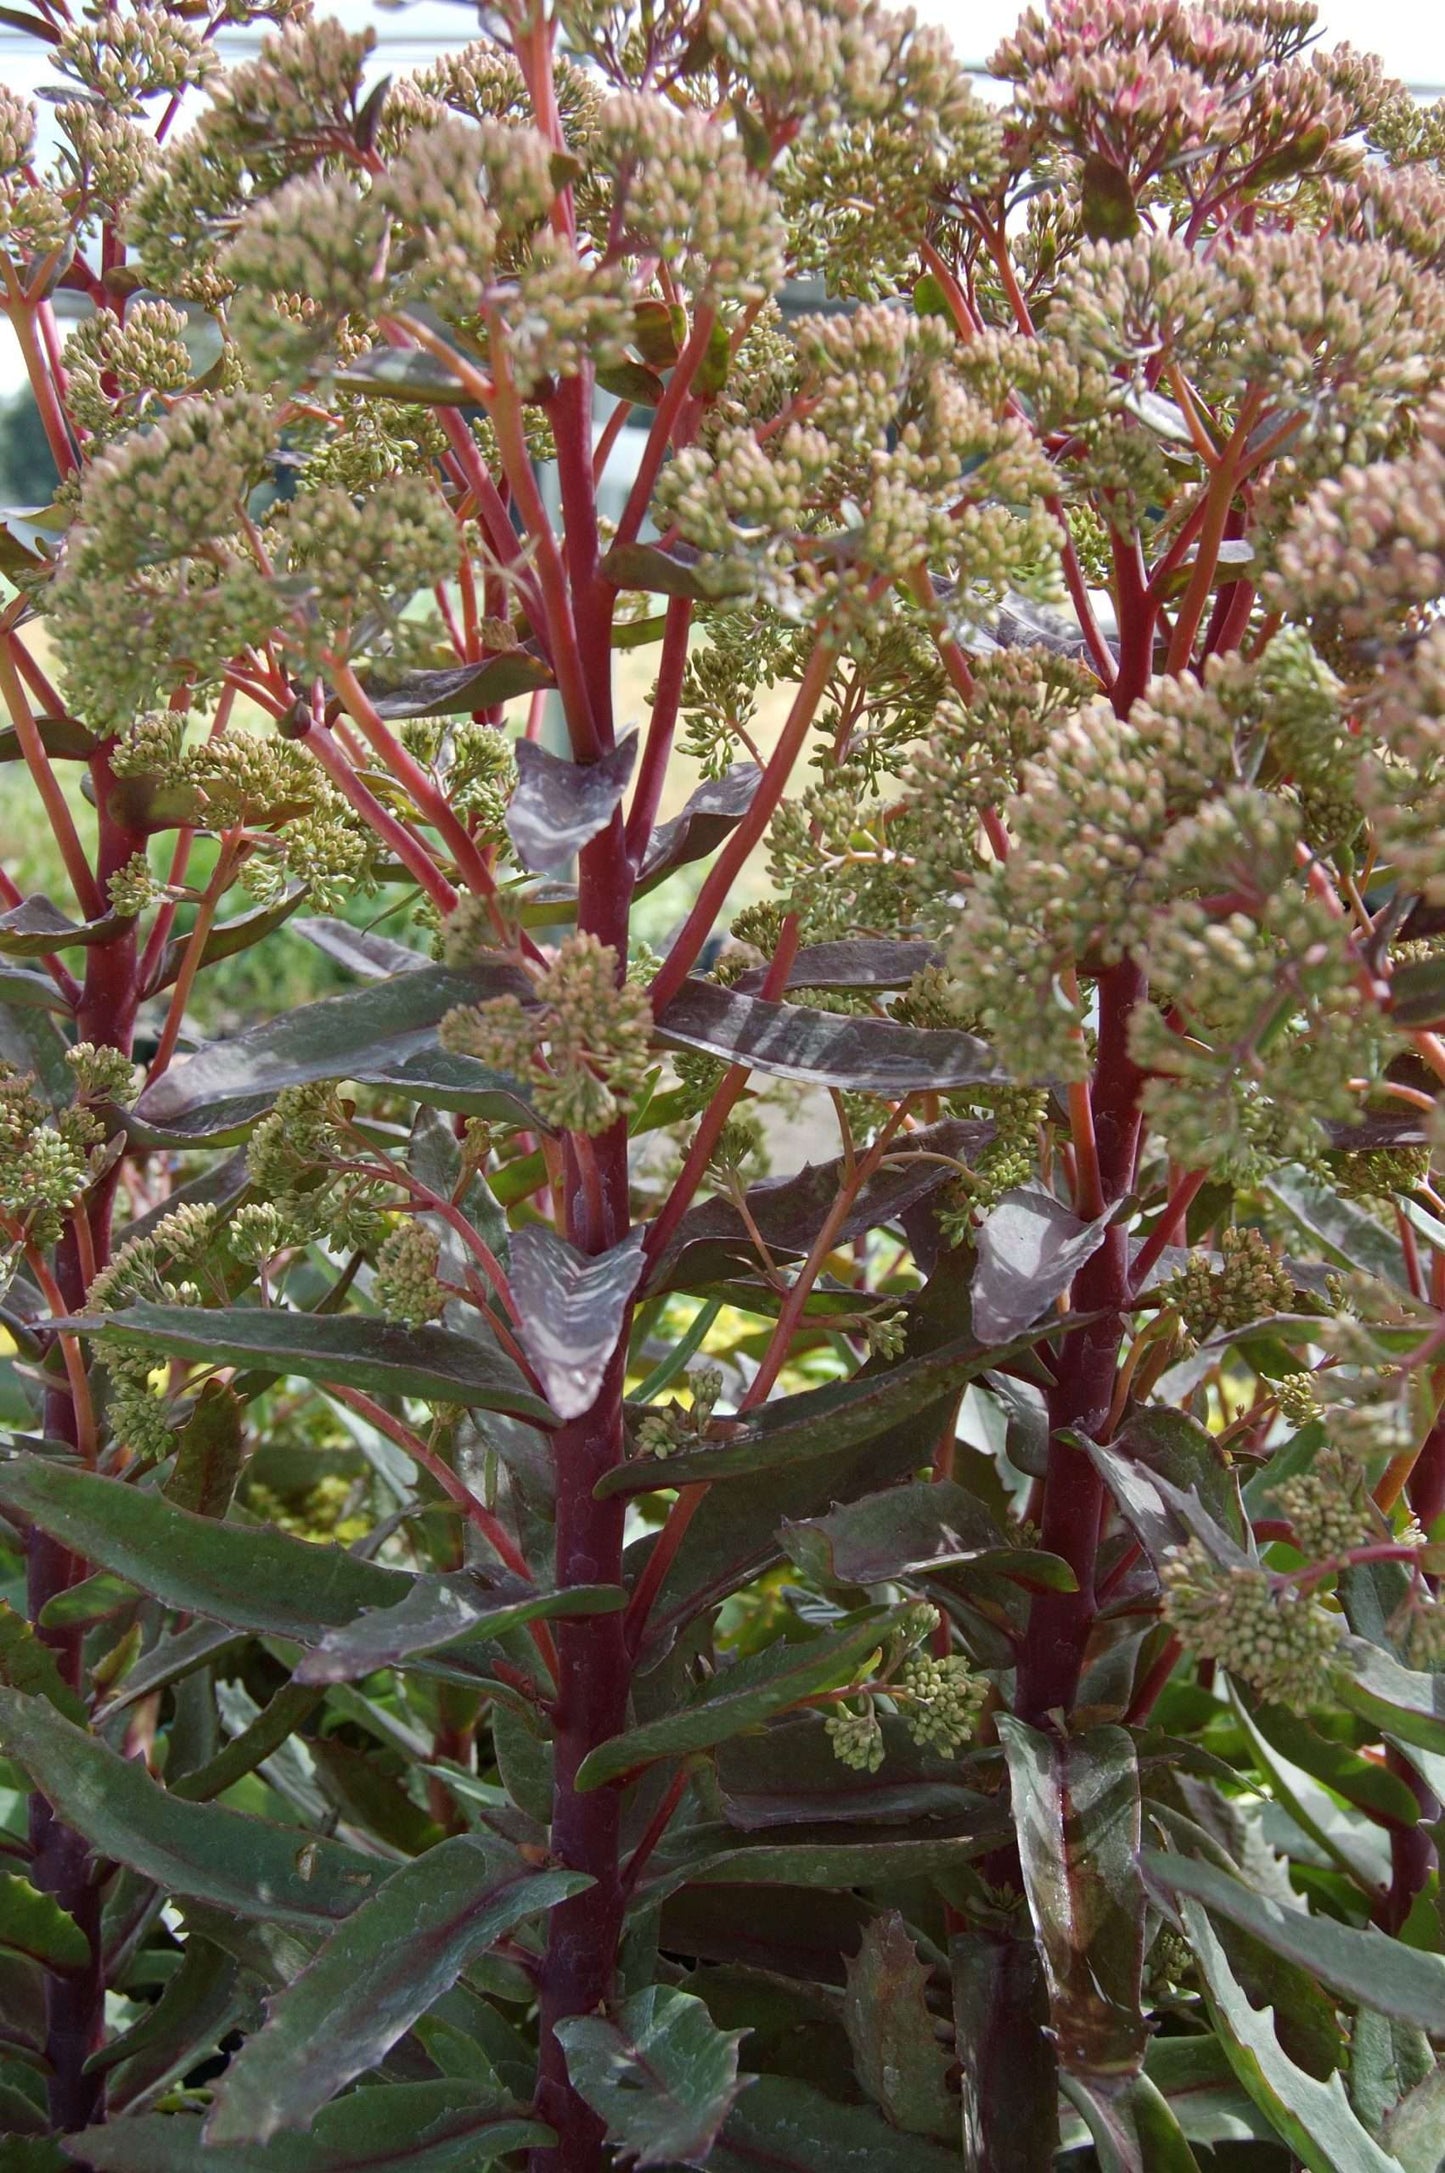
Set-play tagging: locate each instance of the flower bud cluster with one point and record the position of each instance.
(319, 236)
(940, 1701)
(1251, 1283)
(352, 557)
(114, 368)
(124, 57)
(1329, 1508)
(405, 1281)
(686, 194)
(161, 1267)
(102, 1074)
(1270, 1633)
(46, 1159)
(580, 1050)
(674, 1425)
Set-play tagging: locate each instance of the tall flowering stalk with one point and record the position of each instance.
(831, 1668)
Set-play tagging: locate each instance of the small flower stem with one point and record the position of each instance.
(409, 774)
(659, 437)
(75, 1373)
(1175, 1208)
(409, 851)
(652, 771)
(657, 1826)
(697, 927)
(191, 958)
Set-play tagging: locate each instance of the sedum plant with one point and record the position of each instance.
(530, 1637)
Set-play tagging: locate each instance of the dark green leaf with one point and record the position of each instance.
(344, 1348)
(1177, 1449)
(34, 1923)
(1030, 1248)
(799, 1672)
(210, 1450)
(205, 1998)
(1195, 2076)
(440, 1613)
(238, 1863)
(646, 566)
(571, 1309)
(898, 2059)
(461, 688)
(414, 2127)
(1414, 2134)
(1314, 2118)
(227, 938)
(1133, 2126)
(1394, 1699)
(1077, 1811)
(1350, 1237)
(818, 1422)
(1417, 993)
(404, 1946)
(1109, 212)
(559, 806)
(781, 2126)
(908, 1529)
(631, 381)
(786, 1775)
(821, 1048)
(1362, 1966)
(254, 1578)
(383, 1034)
(1357, 1844)
(32, 991)
(661, 2075)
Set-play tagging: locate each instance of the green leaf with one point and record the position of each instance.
(647, 566)
(1365, 1967)
(820, 1421)
(34, 1923)
(384, 1034)
(632, 381)
(1415, 2132)
(1194, 2075)
(1394, 1699)
(227, 938)
(786, 1774)
(1176, 1448)
(910, 1529)
(798, 1672)
(868, 1857)
(343, 1348)
(1357, 1845)
(200, 2004)
(1350, 1237)
(253, 1578)
(1133, 2126)
(28, 1664)
(1108, 209)
(210, 1450)
(33, 991)
(400, 1950)
(781, 2126)
(1417, 993)
(1314, 2118)
(241, 1864)
(414, 2127)
(822, 1048)
(440, 1615)
(897, 2057)
(661, 2075)
(1076, 1807)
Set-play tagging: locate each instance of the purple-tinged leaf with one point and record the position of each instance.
(1133, 2126)
(1177, 1449)
(783, 2126)
(1030, 1248)
(361, 950)
(32, 991)
(712, 813)
(395, 1955)
(1076, 1810)
(244, 1865)
(1399, 1701)
(461, 688)
(787, 1775)
(787, 1041)
(347, 1348)
(712, 1241)
(572, 1307)
(451, 2126)
(559, 806)
(1160, 1515)
(384, 1034)
(438, 1614)
(37, 926)
(1009, 2075)
(862, 1856)
(864, 962)
(227, 938)
(660, 2075)
(1347, 1233)
(673, 572)
(911, 1529)
(404, 373)
(210, 1450)
(896, 2056)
